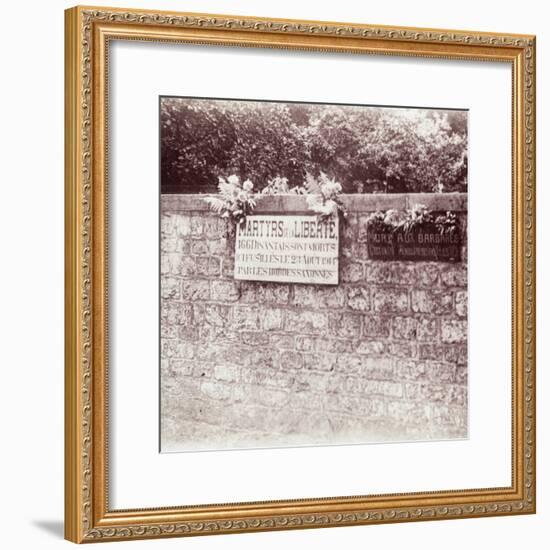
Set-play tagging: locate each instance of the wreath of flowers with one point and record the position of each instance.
(235, 199)
(411, 219)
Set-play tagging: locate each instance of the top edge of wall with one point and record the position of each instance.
(456, 202)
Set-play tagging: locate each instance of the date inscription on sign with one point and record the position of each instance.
(291, 249)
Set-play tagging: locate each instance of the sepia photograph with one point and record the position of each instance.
(313, 274)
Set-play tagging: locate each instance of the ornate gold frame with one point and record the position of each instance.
(88, 32)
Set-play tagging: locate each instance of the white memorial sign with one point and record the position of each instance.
(293, 249)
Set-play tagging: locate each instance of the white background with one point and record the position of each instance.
(139, 73)
(31, 294)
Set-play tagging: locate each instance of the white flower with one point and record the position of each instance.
(329, 208)
(233, 179)
(248, 185)
(330, 189)
(392, 216)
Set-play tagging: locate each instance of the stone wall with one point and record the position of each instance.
(381, 356)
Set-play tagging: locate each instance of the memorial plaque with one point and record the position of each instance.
(292, 249)
(426, 243)
(381, 245)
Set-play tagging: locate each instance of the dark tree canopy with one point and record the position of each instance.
(366, 149)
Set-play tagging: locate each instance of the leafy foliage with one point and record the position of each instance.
(367, 149)
(409, 220)
(234, 200)
(279, 186)
(323, 196)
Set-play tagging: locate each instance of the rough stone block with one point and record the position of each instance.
(247, 292)
(404, 328)
(195, 290)
(167, 225)
(165, 265)
(427, 274)
(291, 360)
(450, 416)
(431, 351)
(224, 291)
(461, 374)
(272, 397)
(217, 315)
(181, 367)
(197, 225)
(356, 405)
(199, 248)
(282, 341)
(218, 247)
(370, 347)
(436, 393)
(168, 331)
(390, 300)
(432, 301)
(351, 272)
(410, 369)
(403, 349)
(379, 273)
(246, 318)
(311, 381)
(331, 297)
(453, 330)
(384, 273)
(407, 412)
(216, 390)
(345, 325)
(174, 313)
(227, 373)
(382, 387)
(277, 293)
(305, 400)
(427, 329)
(359, 251)
(455, 276)
(185, 266)
(373, 368)
(168, 244)
(309, 322)
(461, 303)
(218, 333)
(272, 319)
(228, 267)
(455, 353)
(170, 288)
(214, 227)
(441, 373)
(319, 361)
(176, 349)
(254, 338)
(333, 345)
(208, 266)
(182, 225)
(177, 264)
(189, 333)
(305, 343)
(305, 296)
(262, 359)
(376, 326)
(358, 298)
